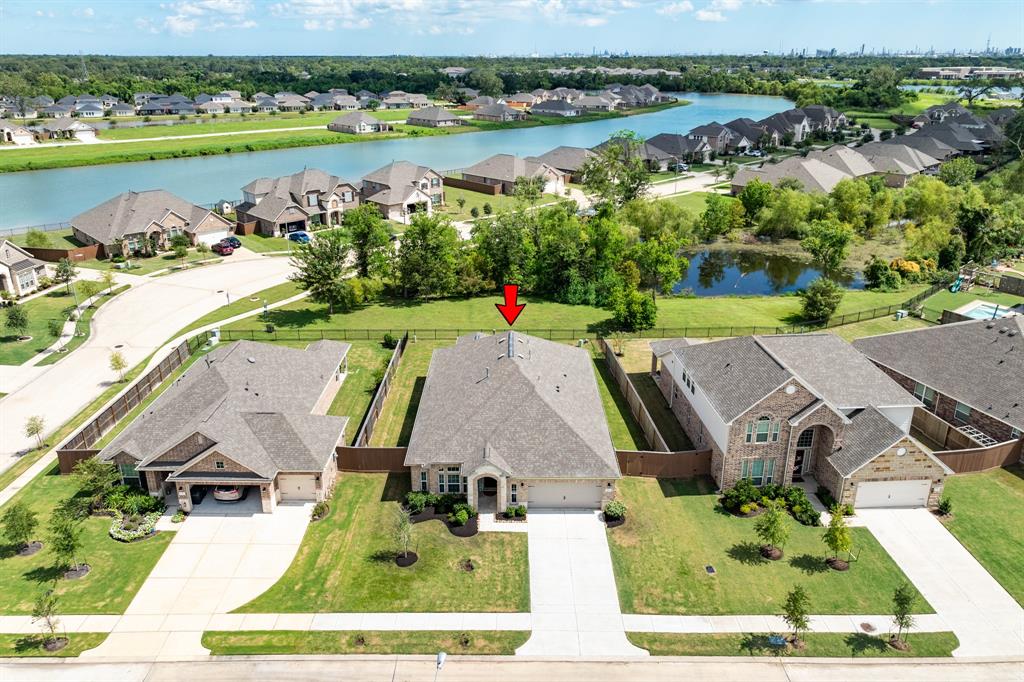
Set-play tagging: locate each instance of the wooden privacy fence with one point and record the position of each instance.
(380, 460)
(939, 432)
(473, 186)
(636, 403)
(377, 404)
(982, 459)
(67, 459)
(683, 464)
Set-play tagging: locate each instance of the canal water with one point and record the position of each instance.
(752, 273)
(52, 196)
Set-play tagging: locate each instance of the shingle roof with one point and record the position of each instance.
(355, 119)
(812, 174)
(432, 114)
(882, 156)
(677, 145)
(288, 192)
(498, 109)
(15, 257)
(564, 158)
(507, 167)
(868, 434)
(845, 159)
(980, 363)
(133, 212)
(932, 146)
(536, 414)
(397, 174)
(553, 105)
(251, 402)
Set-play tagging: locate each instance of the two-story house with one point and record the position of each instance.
(401, 189)
(294, 203)
(785, 408)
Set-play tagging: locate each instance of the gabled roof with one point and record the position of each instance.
(355, 119)
(15, 257)
(980, 363)
(747, 127)
(498, 109)
(250, 402)
(812, 174)
(433, 114)
(850, 161)
(507, 167)
(481, 101)
(528, 406)
(868, 434)
(552, 105)
(713, 129)
(932, 146)
(564, 158)
(398, 174)
(288, 191)
(133, 212)
(679, 146)
(882, 156)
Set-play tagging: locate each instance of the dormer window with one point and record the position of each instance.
(310, 200)
(218, 464)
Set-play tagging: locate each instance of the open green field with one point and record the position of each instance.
(279, 642)
(988, 515)
(346, 562)
(499, 202)
(263, 244)
(694, 201)
(118, 568)
(54, 305)
(674, 529)
(818, 644)
(17, 646)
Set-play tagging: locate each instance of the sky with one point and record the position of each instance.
(501, 27)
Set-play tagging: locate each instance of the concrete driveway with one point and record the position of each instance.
(574, 605)
(136, 323)
(986, 619)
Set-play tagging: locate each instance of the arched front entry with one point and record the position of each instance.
(487, 494)
(813, 443)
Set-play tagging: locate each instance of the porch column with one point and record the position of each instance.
(502, 497)
(184, 497)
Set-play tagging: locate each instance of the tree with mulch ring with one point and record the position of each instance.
(66, 542)
(748, 510)
(902, 608)
(614, 514)
(772, 530)
(320, 510)
(44, 611)
(19, 523)
(838, 539)
(402, 530)
(796, 613)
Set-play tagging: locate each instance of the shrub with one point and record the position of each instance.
(459, 518)
(475, 212)
(748, 508)
(615, 510)
(132, 526)
(521, 511)
(820, 299)
(444, 504)
(742, 493)
(390, 341)
(178, 517)
(745, 497)
(879, 275)
(417, 501)
(945, 506)
(319, 510)
(132, 501)
(510, 512)
(460, 507)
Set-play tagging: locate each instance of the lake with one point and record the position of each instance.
(52, 196)
(752, 273)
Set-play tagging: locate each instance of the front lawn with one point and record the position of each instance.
(823, 644)
(346, 562)
(150, 264)
(17, 646)
(118, 569)
(500, 202)
(674, 530)
(322, 642)
(263, 244)
(988, 518)
(54, 305)
(84, 326)
(353, 399)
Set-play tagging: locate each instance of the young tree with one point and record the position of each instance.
(89, 288)
(820, 299)
(461, 201)
(181, 253)
(828, 241)
(19, 524)
(16, 319)
(118, 363)
(837, 536)
(34, 429)
(44, 611)
(428, 258)
(109, 280)
(772, 530)
(402, 530)
(37, 239)
(371, 240)
(55, 328)
(65, 272)
(528, 189)
(796, 612)
(66, 539)
(95, 478)
(902, 607)
(633, 311)
(321, 267)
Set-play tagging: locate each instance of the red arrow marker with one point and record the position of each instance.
(510, 309)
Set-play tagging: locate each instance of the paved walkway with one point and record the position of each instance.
(986, 619)
(574, 604)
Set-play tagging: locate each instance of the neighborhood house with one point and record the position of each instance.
(19, 271)
(294, 203)
(401, 189)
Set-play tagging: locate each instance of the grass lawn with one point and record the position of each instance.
(118, 569)
(946, 300)
(694, 201)
(356, 392)
(636, 360)
(12, 646)
(145, 266)
(54, 305)
(264, 244)
(988, 515)
(277, 642)
(84, 325)
(58, 239)
(394, 426)
(674, 531)
(881, 325)
(245, 304)
(500, 202)
(573, 321)
(823, 644)
(346, 561)
(625, 431)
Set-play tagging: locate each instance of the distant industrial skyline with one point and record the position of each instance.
(509, 28)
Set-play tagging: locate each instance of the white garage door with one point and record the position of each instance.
(212, 238)
(893, 494)
(564, 495)
(297, 486)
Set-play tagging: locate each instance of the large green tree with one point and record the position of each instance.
(371, 240)
(428, 257)
(321, 267)
(617, 173)
(828, 241)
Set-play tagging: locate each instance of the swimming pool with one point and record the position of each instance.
(987, 311)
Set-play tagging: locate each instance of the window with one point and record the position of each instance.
(346, 197)
(128, 471)
(435, 182)
(924, 394)
(423, 481)
(763, 430)
(515, 494)
(962, 412)
(806, 439)
(759, 471)
(435, 199)
(440, 481)
(775, 431)
(310, 200)
(1014, 434)
(465, 485)
(454, 479)
(219, 464)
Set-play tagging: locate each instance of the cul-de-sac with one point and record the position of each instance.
(380, 340)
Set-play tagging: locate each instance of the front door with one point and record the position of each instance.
(804, 443)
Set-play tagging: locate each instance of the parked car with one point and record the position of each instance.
(755, 152)
(198, 492)
(232, 241)
(222, 249)
(230, 493)
(300, 237)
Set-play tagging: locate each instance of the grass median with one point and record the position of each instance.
(470, 642)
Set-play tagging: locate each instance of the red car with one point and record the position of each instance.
(222, 249)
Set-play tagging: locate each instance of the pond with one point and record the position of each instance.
(719, 272)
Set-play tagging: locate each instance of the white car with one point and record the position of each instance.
(230, 493)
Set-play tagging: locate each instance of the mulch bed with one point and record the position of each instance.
(838, 564)
(797, 643)
(613, 523)
(76, 573)
(406, 560)
(771, 553)
(428, 514)
(898, 644)
(56, 644)
(30, 549)
(756, 512)
(467, 531)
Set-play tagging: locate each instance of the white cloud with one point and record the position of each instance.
(708, 15)
(674, 9)
(185, 17)
(727, 5)
(83, 12)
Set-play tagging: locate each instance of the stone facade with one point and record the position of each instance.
(208, 465)
(182, 452)
(888, 466)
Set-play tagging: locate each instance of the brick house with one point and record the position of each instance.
(401, 189)
(247, 414)
(809, 407)
(294, 203)
(511, 419)
(970, 374)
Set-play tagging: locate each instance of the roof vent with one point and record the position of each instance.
(251, 360)
(1003, 330)
(511, 343)
(989, 324)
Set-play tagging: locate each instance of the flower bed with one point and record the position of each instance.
(745, 499)
(132, 527)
